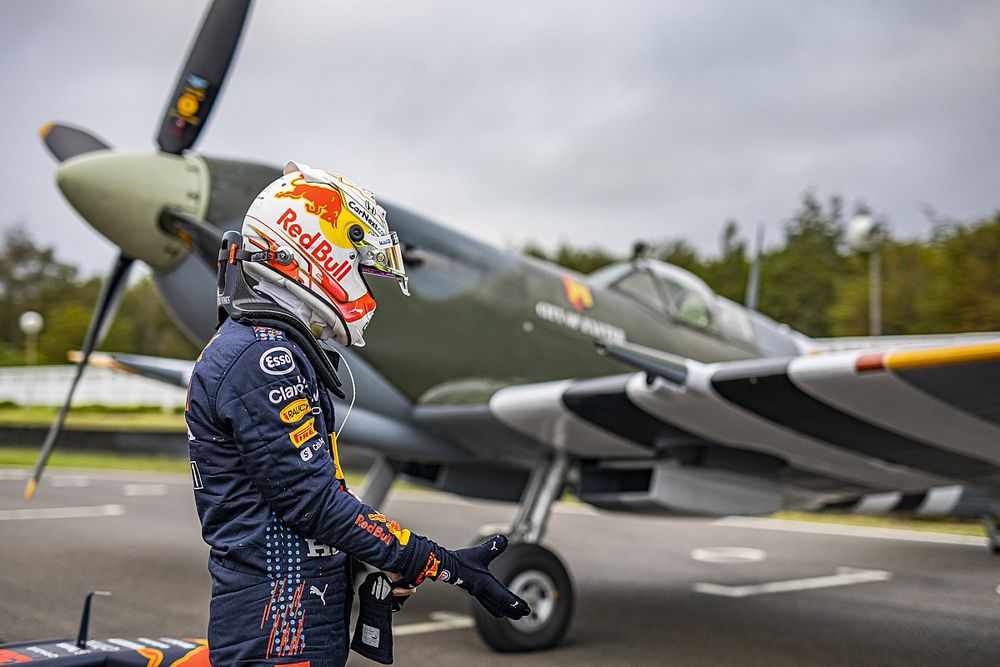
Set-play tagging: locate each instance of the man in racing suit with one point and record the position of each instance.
(269, 490)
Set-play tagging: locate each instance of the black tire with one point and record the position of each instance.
(540, 571)
(994, 548)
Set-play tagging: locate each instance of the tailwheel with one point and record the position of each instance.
(538, 576)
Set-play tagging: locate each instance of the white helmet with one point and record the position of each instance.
(320, 232)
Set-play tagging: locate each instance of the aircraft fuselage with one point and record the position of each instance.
(479, 317)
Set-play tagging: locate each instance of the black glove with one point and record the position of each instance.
(469, 569)
(373, 632)
(466, 568)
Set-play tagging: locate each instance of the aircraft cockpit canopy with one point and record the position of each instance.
(670, 290)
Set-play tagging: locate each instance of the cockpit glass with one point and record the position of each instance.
(639, 285)
(666, 289)
(689, 305)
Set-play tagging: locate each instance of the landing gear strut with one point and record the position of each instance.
(381, 474)
(532, 571)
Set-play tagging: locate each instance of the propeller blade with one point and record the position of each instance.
(66, 141)
(201, 79)
(199, 236)
(107, 304)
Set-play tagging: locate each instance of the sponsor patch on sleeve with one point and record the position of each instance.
(295, 411)
(303, 433)
(277, 361)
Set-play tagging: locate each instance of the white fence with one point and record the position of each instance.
(47, 385)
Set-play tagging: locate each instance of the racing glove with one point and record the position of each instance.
(469, 569)
(373, 632)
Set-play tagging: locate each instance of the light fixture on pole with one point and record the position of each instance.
(31, 323)
(865, 235)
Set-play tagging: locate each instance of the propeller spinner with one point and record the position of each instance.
(136, 201)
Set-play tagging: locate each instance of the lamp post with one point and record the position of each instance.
(31, 323)
(865, 235)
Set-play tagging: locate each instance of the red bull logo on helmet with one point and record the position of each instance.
(323, 201)
(318, 248)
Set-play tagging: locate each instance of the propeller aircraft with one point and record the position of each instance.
(509, 378)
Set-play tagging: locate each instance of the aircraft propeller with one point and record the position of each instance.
(187, 111)
(201, 79)
(66, 141)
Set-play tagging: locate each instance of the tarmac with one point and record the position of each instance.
(650, 591)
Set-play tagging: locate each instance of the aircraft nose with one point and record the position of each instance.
(121, 195)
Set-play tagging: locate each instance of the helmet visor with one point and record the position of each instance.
(382, 256)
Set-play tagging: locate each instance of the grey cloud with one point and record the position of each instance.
(545, 121)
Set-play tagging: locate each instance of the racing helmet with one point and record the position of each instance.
(317, 235)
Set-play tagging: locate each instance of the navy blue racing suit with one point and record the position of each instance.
(273, 504)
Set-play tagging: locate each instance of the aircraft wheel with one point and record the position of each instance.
(539, 577)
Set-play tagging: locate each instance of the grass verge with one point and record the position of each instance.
(93, 419)
(932, 525)
(26, 456)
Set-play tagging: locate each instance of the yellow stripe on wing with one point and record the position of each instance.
(943, 356)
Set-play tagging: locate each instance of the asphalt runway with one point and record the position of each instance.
(649, 591)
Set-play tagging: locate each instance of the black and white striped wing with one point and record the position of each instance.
(894, 423)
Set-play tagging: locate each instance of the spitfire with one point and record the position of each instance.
(494, 359)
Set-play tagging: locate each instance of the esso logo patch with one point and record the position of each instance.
(277, 361)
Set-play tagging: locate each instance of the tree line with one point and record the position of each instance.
(810, 279)
(814, 282)
(32, 277)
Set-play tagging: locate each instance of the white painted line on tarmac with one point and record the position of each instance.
(441, 620)
(69, 481)
(846, 576)
(728, 555)
(104, 474)
(145, 489)
(844, 530)
(62, 512)
(998, 590)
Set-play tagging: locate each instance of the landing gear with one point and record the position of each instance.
(381, 474)
(532, 571)
(992, 533)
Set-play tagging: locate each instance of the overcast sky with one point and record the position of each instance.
(596, 123)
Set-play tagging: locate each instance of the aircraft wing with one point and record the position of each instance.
(754, 436)
(176, 372)
(871, 343)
